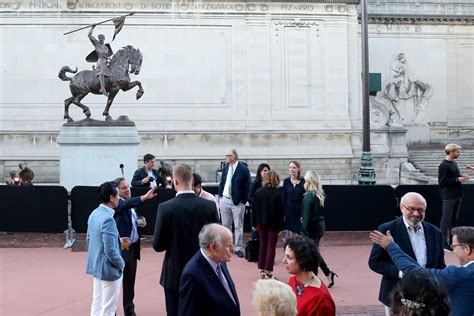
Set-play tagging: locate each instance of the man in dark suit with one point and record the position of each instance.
(233, 194)
(178, 223)
(459, 281)
(206, 286)
(420, 240)
(148, 177)
(128, 225)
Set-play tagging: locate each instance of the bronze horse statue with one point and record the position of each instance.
(126, 60)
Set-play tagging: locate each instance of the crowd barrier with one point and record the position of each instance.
(347, 207)
(33, 209)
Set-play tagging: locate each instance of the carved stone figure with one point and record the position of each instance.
(406, 100)
(126, 60)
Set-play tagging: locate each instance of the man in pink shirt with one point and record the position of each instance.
(197, 188)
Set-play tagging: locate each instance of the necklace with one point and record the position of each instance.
(301, 287)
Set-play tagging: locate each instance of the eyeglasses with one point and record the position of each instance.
(414, 209)
(454, 246)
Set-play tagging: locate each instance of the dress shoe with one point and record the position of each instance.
(331, 276)
(239, 253)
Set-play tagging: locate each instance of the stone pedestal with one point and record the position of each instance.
(91, 155)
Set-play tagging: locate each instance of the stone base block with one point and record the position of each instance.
(92, 155)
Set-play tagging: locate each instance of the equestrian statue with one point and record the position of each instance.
(108, 77)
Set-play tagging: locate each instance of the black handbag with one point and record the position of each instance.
(252, 247)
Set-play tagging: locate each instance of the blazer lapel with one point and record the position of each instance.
(230, 282)
(214, 279)
(403, 239)
(429, 238)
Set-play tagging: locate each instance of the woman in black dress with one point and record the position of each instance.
(293, 190)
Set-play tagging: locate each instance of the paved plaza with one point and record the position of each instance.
(52, 281)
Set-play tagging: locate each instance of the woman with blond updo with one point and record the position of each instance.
(312, 215)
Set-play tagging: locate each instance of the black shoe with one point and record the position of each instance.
(332, 274)
(239, 253)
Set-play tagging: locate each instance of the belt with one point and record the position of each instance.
(227, 197)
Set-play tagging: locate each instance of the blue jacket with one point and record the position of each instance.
(240, 183)
(458, 280)
(104, 260)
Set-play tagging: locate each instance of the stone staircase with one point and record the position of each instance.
(427, 159)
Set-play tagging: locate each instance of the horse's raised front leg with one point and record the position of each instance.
(133, 84)
(112, 93)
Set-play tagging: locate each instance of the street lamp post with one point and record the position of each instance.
(366, 170)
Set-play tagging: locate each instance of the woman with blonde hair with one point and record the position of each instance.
(312, 214)
(293, 190)
(274, 298)
(267, 218)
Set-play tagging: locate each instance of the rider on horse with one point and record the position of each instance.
(103, 53)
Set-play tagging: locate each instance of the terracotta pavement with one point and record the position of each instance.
(52, 280)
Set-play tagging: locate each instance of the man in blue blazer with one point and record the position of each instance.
(458, 280)
(178, 223)
(128, 226)
(104, 261)
(233, 194)
(206, 287)
(420, 240)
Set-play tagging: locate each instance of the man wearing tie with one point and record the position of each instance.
(127, 225)
(422, 241)
(233, 194)
(206, 287)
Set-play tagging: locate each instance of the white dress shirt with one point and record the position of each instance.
(230, 174)
(418, 242)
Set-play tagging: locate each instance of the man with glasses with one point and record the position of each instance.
(422, 241)
(233, 194)
(459, 281)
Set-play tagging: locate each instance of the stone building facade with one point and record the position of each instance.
(276, 80)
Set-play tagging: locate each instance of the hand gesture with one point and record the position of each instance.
(149, 195)
(381, 239)
(146, 180)
(463, 178)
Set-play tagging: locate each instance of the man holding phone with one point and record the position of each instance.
(147, 177)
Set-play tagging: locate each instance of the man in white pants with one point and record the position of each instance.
(233, 194)
(104, 261)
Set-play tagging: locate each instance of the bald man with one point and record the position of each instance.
(422, 241)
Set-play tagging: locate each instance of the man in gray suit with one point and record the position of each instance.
(104, 261)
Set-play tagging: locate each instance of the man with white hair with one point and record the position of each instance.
(206, 287)
(422, 241)
(233, 194)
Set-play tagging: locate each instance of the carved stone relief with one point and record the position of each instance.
(405, 100)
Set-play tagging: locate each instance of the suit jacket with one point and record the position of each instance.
(123, 219)
(380, 261)
(202, 293)
(178, 223)
(458, 280)
(141, 174)
(240, 183)
(104, 260)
